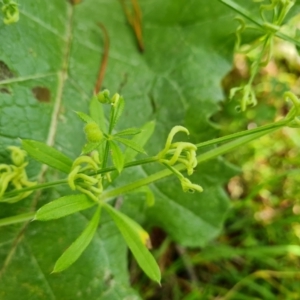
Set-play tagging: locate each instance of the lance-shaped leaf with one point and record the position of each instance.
(137, 239)
(47, 155)
(89, 147)
(76, 249)
(84, 117)
(97, 113)
(117, 111)
(140, 139)
(129, 131)
(117, 156)
(63, 206)
(130, 144)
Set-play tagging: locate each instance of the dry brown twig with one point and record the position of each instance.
(104, 60)
(134, 18)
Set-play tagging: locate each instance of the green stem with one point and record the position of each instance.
(106, 196)
(110, 128)
(35, 187)
(130, 164)
(257, 63)
(17, 219)
(229, 137)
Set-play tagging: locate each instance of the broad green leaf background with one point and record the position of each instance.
(48, 66)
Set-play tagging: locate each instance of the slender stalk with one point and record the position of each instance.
(110, 128)
(229, 137)
(130, 164)
(35, 187)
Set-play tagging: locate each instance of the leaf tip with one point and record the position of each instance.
(57, 268)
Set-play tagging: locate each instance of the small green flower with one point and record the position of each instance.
(93, 132)
(11, 12)
(86, 184)
(183, 152)
(14, 176)
(187, 186)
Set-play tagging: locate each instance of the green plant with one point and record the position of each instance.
(261, 50)
(55, 80)
(86, 174)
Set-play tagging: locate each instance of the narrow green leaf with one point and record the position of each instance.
(118, 110)
(130, 144)
(17, 219)
(97, 113)
(136, 238)
(89, 147)
(129, 131)
(47, 155)
(117, 156)
(140, 139)
(63, 206)
(81, 243)
(84, 117)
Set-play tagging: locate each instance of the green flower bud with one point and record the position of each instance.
(103, 97)
(93, 132)
(115, 99)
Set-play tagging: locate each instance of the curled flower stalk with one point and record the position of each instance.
(293, 115)
(180, 152)
(84, 183)
(10, 11)
(14, 176)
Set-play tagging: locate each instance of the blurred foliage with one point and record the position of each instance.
(258, 254)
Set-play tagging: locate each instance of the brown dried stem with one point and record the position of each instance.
(134, 19)
(104, 60)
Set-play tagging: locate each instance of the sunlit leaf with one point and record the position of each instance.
(136, 238)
